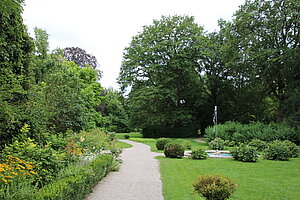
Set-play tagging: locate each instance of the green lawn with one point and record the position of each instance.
(262, 180)
(122, 145)
(131, 135)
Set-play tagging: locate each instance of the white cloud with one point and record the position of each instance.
(105, 28)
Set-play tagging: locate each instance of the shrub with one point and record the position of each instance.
(242, 133)
(187, 145)
(214, 187)
(76, 181)
(160, 143)
(126, 136)
(245, 154)
(277, 150)
(217, 144)
(294, 149)
(258, 144)
(174, 150)
(198, 154)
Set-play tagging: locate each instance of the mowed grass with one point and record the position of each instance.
(122, 145)
(269, 180)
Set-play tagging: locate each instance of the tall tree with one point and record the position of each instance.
(15, 52)
(160, 66)
(81, 58)
(269, 32)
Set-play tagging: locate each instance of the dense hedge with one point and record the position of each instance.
(242, 133)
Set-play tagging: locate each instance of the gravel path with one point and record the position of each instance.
(138, 178)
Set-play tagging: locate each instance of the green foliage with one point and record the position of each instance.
(76, 181)
(126, 136)
(161, 143)
(217, 144)
(174, 150)
(267, 34)
(15, 52)
(160, 67)
(214, 187)
(242, 133)
(244, 153)
(50, 161)
(277, 150)
(258, 144)
(294, 149)
(198, 154)
(187, 144)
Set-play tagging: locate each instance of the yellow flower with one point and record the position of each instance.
(3, 179)
(33, 172)
(9, 176)
(14, 173)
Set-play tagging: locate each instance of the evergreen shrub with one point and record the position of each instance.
(245, 153)
(174, 150)
(161, 142)
(214, 187)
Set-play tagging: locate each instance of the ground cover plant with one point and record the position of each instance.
(66, 170)
(262, 180)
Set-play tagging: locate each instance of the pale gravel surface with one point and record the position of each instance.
(138, 178)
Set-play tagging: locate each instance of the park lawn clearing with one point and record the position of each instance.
(262, 180)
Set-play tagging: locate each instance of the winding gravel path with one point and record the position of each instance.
(138, 178)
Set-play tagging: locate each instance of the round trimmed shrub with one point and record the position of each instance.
(161, 142)
(277, 150)
(294, 149)
(244, 154)
(258, 144)
(217, 144)
(198, 154)
(174, 150)
(126, 136)
(214, 187)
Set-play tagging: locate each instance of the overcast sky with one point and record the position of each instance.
(105, 27)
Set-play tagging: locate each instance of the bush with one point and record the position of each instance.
(217, 144)
(258, 144)
(294, 149)
(126, 136)
(187, 145)
(245, 154)
(277, 150)
(160, 143)
(198, 154)
(241, 133)
(174, 150)
(214, 187)
(76, 181)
